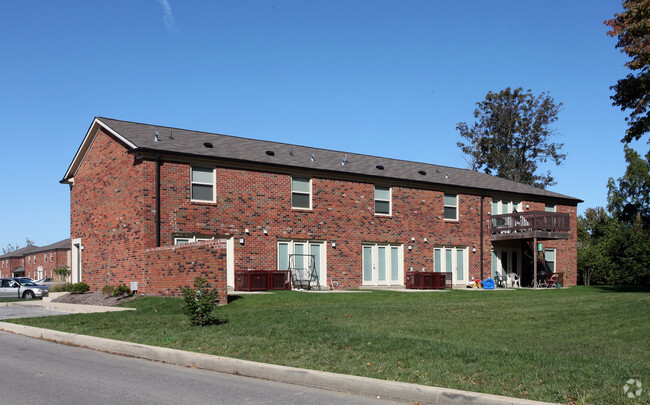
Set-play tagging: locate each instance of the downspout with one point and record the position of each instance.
(481, 235)
(158, 200)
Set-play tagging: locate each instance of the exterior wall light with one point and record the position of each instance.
(265, 232)
(241, 241)
(333, 244)
(247, 232)
(410, 247)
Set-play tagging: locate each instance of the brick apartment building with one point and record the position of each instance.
(158, 206)
(36, 262)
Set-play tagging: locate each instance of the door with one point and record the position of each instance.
(506, 261)
(77, 248)
(454, 260)
(382, 265)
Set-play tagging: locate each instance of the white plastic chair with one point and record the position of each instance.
(515, 280)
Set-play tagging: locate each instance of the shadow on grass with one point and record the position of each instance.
(623, 288)
(232, 298)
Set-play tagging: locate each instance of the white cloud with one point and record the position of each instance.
(168, 17)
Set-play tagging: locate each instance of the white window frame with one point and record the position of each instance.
(291, 249)
(389, 201)
(554, 261)
(550, 207)
(390, 249)
(444, 266)
(178, 240)
(308, 193)
(212, 184)
(445, 205)
(505, 206)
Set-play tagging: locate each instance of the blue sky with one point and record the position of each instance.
(388, 78)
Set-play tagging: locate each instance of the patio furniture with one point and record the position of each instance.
(303, 272)
(515, 280)
(500, 281)
(552, 281)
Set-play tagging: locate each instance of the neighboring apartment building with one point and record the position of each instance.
(36, 262)
(158, 205)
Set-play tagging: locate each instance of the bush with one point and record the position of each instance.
(77, 288)
(59, 288)
(108, 289)
(62, 272)
(121, 289)
(199, 302)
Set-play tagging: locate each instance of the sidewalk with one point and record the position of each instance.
(411, 393)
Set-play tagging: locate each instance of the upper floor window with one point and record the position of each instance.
(549, 207)
(179, 240)
(44, 257)
(382, 200)
(29, 260)
(300, 193)
(505, 207)
(51, 256)
(203, 180)
(451, 207)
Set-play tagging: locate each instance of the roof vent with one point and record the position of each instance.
(207, 144)
(380, 167)
(171, 135)
(155, 137)
(270, 153)
(291, 151)
(344, 162)
(446, 175)
(422, 172)
(313, 157)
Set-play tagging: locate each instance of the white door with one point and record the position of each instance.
(506, 261)
(77, 248)
(382, 265)
(454, 260)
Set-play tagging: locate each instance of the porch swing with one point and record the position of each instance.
(303, 272)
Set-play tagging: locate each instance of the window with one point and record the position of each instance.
(382, 200)
(303, 255)
(202, 179)
(179, 240)
(454, 260)
(383, 264)
(44, 257)
(505, 207)
(29, 260)
(451, 207)
(549, 258)
(300, 193)
(549, 207)
(51, 257)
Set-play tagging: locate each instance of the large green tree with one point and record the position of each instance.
(629, 196)
(632, 27)
(511, 136)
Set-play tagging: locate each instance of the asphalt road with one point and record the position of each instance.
(36, 371)
(16, 311)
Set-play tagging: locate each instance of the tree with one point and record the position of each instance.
(632, 27)
(629, 196)
(10, 248)
(511, 136)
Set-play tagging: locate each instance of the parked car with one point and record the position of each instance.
(17, 288)
(48, 282)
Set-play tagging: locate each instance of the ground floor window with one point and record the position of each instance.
(452, 259)
(383, 264)
(305, 255)
(549, 259)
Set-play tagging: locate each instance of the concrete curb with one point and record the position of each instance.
(318, 379)
(68, 308)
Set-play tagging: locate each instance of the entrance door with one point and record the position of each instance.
(77, 248)
(382, 265)
(506, 261)
(454, 260)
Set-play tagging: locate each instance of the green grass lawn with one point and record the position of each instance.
(563, 345)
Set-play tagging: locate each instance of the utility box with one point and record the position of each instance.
(134, 286)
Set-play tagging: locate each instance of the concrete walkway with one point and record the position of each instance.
(412, 393)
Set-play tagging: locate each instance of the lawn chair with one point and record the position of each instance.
(552, 280)
(515, 280)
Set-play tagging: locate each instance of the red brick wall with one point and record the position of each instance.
(113, 211)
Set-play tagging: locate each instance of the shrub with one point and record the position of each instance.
(62, 272)
(199, 302)
(108, 289)
(77, 288)
(59, 288)
(121, 289)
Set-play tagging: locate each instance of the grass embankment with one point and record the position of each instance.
(571, 345)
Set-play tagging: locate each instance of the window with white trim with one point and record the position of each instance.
(301, 193)
(505, 207)
(383, 197)
(179, 240)
(451, 207)
(549, 258)
(202, 184)
(51, 256)
(549, 207)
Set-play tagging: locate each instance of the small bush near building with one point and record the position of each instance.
(121, 289)
(108, 289)
(62, 272)
(77, 288)
(199, 302)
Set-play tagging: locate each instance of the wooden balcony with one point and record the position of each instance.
(530, 224)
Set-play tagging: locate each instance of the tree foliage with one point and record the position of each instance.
(10, 248)
(629, 196)
(199, 302)
(614, 245)
(510, 136)
(632, 27)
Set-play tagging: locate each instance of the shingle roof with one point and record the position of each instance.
(28, 250)
(20, 252)
(141, 137)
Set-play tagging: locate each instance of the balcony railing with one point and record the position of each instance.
(529, 221)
